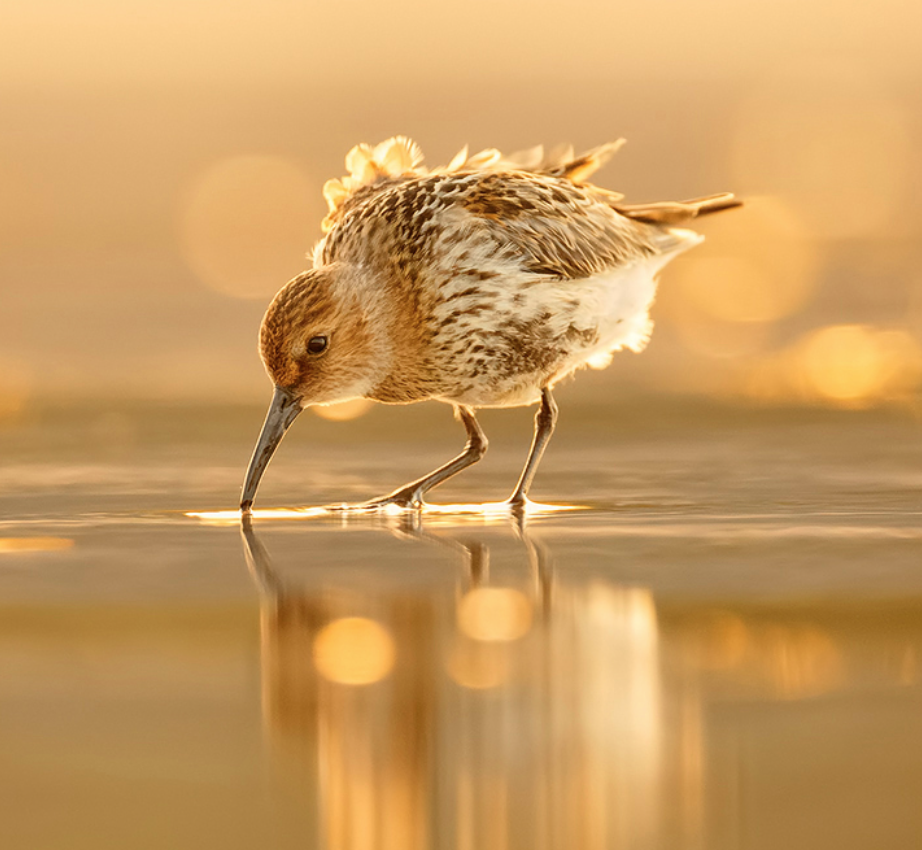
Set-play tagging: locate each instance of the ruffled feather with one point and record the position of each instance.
(401, 157)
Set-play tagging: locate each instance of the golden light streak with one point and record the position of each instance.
(495, 510)
(494, 614)
(488, 511)
(35, 544)
(233, 517)
(354, 651)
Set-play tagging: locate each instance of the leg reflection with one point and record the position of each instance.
(491, 706)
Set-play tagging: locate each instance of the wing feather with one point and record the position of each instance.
(555, 227)
(401, 158)
(531, 204)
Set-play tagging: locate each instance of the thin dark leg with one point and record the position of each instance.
(545, 420)
(411, 495)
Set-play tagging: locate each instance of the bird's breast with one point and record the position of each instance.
(501, 342)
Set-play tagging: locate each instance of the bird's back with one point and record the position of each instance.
(514, 271)
(530, 207)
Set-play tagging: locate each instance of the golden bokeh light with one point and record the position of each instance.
(494, 614)
(354, 651)
(855, 363)
(735, 289)
(829, 140)
(35, 544)
(343, 411)
(478, 666)
(843, 362)
(246, 225)
(761, 268)
(722, 300)
(843, 365)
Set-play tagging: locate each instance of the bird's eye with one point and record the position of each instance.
(317, 345)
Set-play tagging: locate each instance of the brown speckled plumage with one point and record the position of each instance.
(480, 284)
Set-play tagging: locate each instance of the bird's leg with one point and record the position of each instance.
(545, 420)
(411, 495)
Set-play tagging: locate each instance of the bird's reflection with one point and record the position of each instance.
(449, 686)
(492, 707)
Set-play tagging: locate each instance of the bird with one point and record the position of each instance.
(482, 283)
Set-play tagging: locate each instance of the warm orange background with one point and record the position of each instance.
(161, 166)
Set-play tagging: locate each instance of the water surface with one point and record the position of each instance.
(720, 648)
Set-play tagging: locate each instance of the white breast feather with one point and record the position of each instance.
(618, 302)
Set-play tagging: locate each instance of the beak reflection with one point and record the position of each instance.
(283, 411)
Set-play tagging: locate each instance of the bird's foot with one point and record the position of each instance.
(517, 503)
(407, 499)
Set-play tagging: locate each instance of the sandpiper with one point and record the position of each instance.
(481, 284)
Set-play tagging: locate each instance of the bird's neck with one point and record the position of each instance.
(397, 309)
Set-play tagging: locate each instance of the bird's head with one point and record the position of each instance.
(318, 344)
(316, 340)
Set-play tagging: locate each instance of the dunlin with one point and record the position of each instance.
(480, 284)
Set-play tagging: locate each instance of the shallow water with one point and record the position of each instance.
(721, 647)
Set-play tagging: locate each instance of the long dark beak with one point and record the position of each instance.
(282, 412)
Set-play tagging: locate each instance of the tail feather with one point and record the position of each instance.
(675, 212)
(582, 167)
